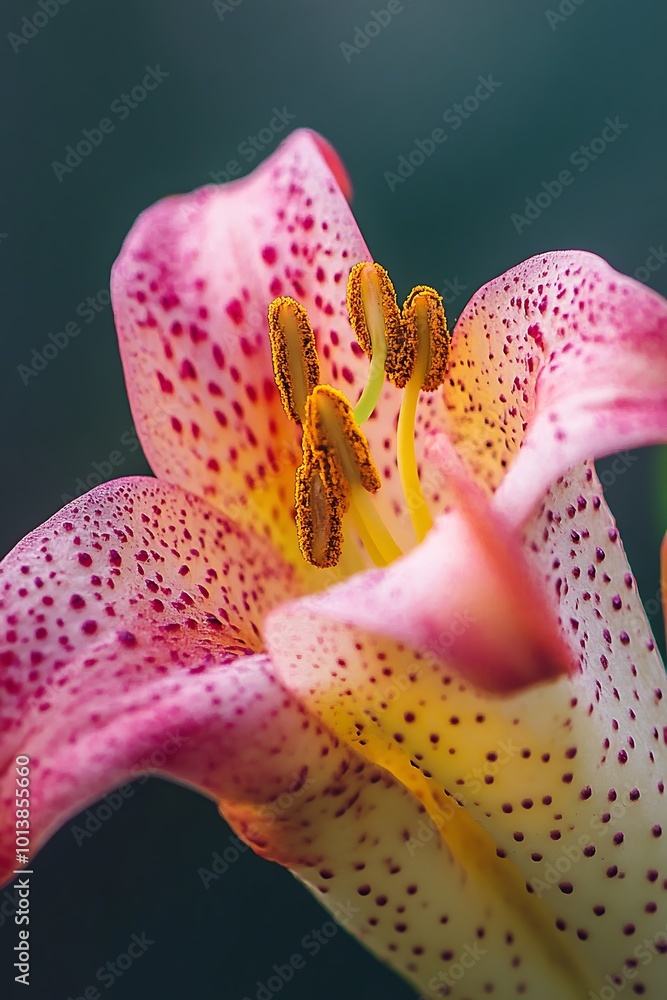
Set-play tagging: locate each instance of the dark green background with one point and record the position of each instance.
(450, 221)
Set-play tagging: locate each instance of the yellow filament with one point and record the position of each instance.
(296, 366)
(426, 328)
(338, 471)
(373, 532)
(337, 474)
(376, 321)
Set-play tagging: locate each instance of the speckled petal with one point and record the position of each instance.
(190, 292)
(663, 579)
(558, 360)
(466, 596)
(567, 777)
(130, 623)
(444, 915)
(133, 645)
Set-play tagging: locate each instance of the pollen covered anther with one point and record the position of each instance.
(425, 330)
(336, 475)
(321, 502)
(296, 366)
(376, 321)
(334, 434)
(372, 307)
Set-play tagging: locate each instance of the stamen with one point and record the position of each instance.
(425, 326)
(296, 367)
(425, 329)
(321, 502)
(333, 432)
(376, 321)
(337, 454)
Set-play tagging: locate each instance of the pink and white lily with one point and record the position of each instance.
(464, 751)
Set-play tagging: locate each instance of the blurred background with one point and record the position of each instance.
(551, 77)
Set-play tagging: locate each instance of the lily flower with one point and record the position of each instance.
(373, 603)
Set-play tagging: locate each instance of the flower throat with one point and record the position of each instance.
(337, 474)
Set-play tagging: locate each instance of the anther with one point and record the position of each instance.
(425, 331)
(371, 303)
(333, 433)
(295, 363)
(376, 321)
(336, 475)
(426, 334)
(321, 502)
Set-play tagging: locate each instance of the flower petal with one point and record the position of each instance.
(558, 360)
(190, 291)
(567, 777)
(129, 618)
(663, 580)
(465, 597)
(432, 909)
(104, 680)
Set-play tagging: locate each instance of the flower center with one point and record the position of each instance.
(337, 473)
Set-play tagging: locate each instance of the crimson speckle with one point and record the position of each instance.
(234, 310)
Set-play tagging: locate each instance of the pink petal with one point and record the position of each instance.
(167, 690)
(467, 582)
(130, 623)
(190, 292)
(566, 777)
(558, 360)
(663, 579)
